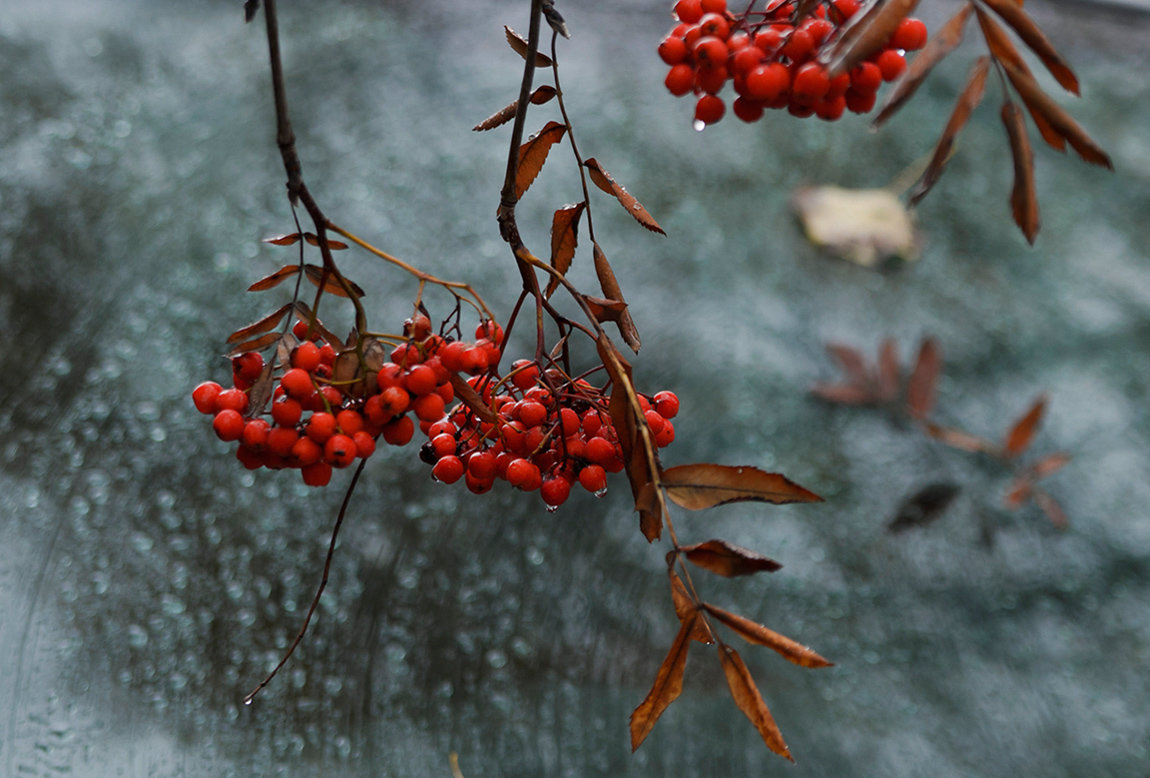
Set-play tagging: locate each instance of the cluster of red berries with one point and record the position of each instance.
(546, 433)
(772, 63)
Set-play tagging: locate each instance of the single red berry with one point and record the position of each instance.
(326, 354)
(349, 421)
(364, 444)
(767, 82)
(746, 60)
(655, 422)
(831, 108)
(593, 478)
(599, 450)
(892, 64)
(232, 399)
(306, 356)
(555, 491)
(248, 366)
(592, 422)
(667, 404)
(859, 102)
(297, 383)
(449, 469)
(673, 50)
(847, 8)
(532, 413)
(250, 457)
(255, 434)
(299, 329)
(689, 11)
(477, 485)
(228, 424)
(395, 401)
(339, 451)
(286, 412)
(320, 427)
(910, 35)
(490, 330)
(521, 471)
(819, 29)
(306, 451)
(418, 327)
(451, 355)
(399, 432)
(769, 40)
(474, 360)
(444, 445)
(281, 439)
(570, 421)
(204, 396)
(481, 465)
(811, 83)
(709, 109)
(680, 79)
(711, 80)
(799, 46)
(420, 380)
(318, 474)
(714, 6)
(716, 25)
(665, 436)
(429, 408)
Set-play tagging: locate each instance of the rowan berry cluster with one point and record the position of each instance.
(536, 430)
(774, 63)
(545, 432)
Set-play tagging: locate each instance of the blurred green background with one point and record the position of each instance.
(147, 582)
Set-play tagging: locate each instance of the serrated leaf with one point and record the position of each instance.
(541, 95)
(865, 34)
(334, 245)
(564, 240)
(686, 610)
(956, 438)
(968, 99)
(1032, 35)
(268, 322)
(1023, 194)
(521, 47)
(533, 154)
(727, 559)
(942, 43)
(746, 695)
(1021, 433)
(283, 240)
(666, 689)
(753, 632)
(700, 486)
(275, 279)
(608, 184)
(924, 506)
(611, 290)
(923, 384)
(331, 286)
(256, 344)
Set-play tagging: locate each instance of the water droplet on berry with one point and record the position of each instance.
(601, 492)
(699, 125)
(552, 508)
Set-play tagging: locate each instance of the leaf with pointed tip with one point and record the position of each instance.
(268, 322)
(564, 240)
(750, 701)
(303, 310)
(1022, 431)
(1051, 508)
(843, 394)
(611, 290)
(686, 610)
(753, 632)
(331, 285)
(889, 373)
(608, 184)
(334, 245)
(541, 95)
(727, 559)
(924, 506)
(666, 689)
(621, 408)
(1048, 465)
(261, 391)
(1023, 195)
(865, 34)
(605, 310)
(283, 240)
(852, 363)
(1032, 35)
(519, 43)
(700, 486)
(923, 384)
(256, 344)
(968, 99)
(944, 42)
(472, 399)
(1062, 123)
(275, 279)
(533, 154)
(956, 438)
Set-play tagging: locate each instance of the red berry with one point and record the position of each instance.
(255, 434)
(667, 404)
(339, 451)
(481, 465)
(680, 80)
(714, 6)
(420, 380)
(286, 412)
(395, 401)
(665, 436)
(746, 60)
(318, 474)
(689, 11)
(859, 102)
(599, 450)
(521, 471)
(444, 445)
(555, 491)
(709, 109)
(909, 35)
(673, 50)
(364, 444)
(767, 82)
(349, 421)
(430, 407)
(847, 8)
(451, 355)
(399, 432)
(819, 29)
(892, 64)
(448, 469)
(474, 360)
(831, 108)
(306, 451)
(247, 367)
(232, 399)
(477, 485)
(716, 25)
(297, 383)
(593, 478)
(711, 80)
(799, 46)
(811, 83)
(204, 396)
(532, 413)
(228, 424)
(320, 427)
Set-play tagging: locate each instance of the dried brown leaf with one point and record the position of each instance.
(1051, 508)
(865, 34)
(753, 632)
(541, 95)
(1042, 104)
(686, 610)
(608, 184)
(1020, 490)
(564, 239)
(605, 310)
(750, 701)
(1048, 465)
(519, 44)
(956, 438)
(889, 373)
(275, 279)
(1021, 433)
(1032, 35)
(923, 384)
(843, 394)
(261, 391)
(852, 362)
(332, 285)
(1023, 195)
(533, 154)
(467, 395)
(968, 99)
(283, 240)
(700, 486)
(667, 687)
(269, 322)
(942, 43)
(334, 245)
(611, 290)
(727, 559)
(256, 344)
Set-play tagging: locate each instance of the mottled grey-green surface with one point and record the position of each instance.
(147, 582)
